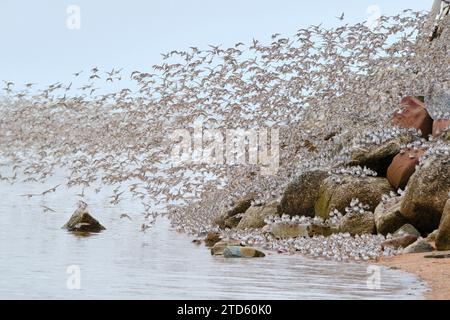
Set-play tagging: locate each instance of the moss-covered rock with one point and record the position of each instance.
(300, 195)
(335, 195)
(254, 216)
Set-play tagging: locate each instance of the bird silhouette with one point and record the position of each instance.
(341, 17)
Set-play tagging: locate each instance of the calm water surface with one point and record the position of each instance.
(124, 263)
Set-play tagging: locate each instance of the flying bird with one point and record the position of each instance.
(341, 17)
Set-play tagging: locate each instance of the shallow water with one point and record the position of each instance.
(124, 263)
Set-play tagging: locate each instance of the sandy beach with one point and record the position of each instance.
(435, 272)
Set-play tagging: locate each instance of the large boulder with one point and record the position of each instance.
(378, 157)
(82, 221)
(443, 235)
(338, 195)
(242, 252)
(229, 217)
(387, 216)
(427, 194)
(287, 230)
(254, 216)
(301, 195)
(413, 115)
(358, 224)
(403, 167)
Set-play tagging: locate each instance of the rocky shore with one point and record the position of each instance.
(389, 204)
(358, 122)
(385, 200)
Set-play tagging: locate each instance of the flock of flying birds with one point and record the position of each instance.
(319, 87)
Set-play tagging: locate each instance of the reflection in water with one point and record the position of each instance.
(123, 263)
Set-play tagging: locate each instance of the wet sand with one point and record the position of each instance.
(435, 272)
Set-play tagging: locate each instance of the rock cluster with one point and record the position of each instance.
(392, 192)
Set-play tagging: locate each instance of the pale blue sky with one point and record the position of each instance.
(38, 47)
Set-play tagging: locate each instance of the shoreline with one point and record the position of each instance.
(434, 272)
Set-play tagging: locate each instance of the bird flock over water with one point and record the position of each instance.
(320, 87)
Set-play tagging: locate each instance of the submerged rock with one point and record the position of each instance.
(420, 246)
(300, 196)
(242, 252)
(254, 217)
(219, 247)
(427, 194)
(82, 221)
(443, 235)
(338, 195)
(388, 218)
